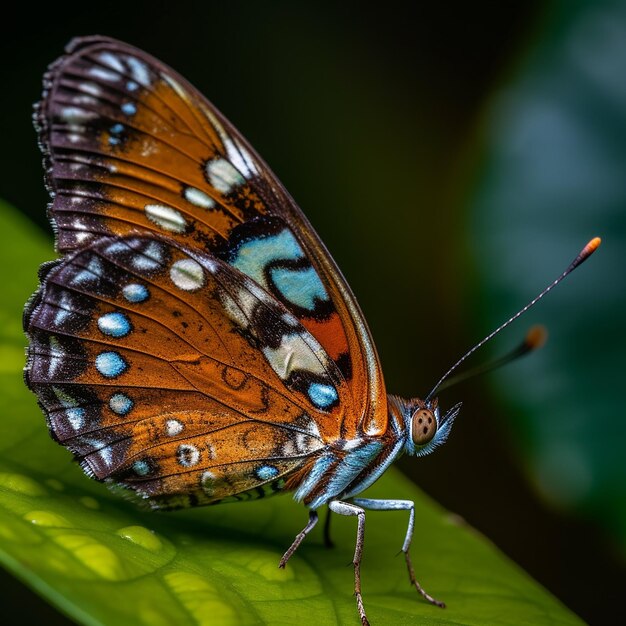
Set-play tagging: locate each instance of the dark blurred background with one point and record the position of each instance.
(453, 158)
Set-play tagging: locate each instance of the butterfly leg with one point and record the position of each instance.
(401, 505)
(345, 508)
(328, 542)
(313, 517)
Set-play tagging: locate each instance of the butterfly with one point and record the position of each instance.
(196, 343)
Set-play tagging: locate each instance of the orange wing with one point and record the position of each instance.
(141, 357)
(133, 149)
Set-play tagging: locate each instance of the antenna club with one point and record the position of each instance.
(536, 337)
(588, 250)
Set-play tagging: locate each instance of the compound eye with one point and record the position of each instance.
(424, 426)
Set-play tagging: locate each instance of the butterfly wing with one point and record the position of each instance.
(194, 412)
(134, 151)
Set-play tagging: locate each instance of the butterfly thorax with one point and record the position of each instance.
(346, 467)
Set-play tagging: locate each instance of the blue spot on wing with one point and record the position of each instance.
(322, 396)
(114, 324)
(141, 467)
(76, 417)
(129, 108)
(302, 287)
(266, 472)
(120, 403)
(110, 364)
(254, 256)
(135, 292)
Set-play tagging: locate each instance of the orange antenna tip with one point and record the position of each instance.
(585, 253)
(536, 337)
(591, 247)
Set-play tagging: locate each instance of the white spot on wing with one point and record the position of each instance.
(150, 258)
(104, 451)
(139, 71)
(92, 272)
(64, 310)
(57, 355)
(174, 427)
(76, 115)
(102, 74)
(113, 61)
(293, 354)
(166, 217)
(106, 454)
(198, 198)
(187, 455)
(74, 413)
(110, 364)
(134, 292)
(223, 176)
(187, 275)
(322, 395)
(129, 108)
(91, 88)
(239, 157)
(86, 101)
(240, 307)
(78, 224)
(116, 247)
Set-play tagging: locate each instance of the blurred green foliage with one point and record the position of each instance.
(554, 174)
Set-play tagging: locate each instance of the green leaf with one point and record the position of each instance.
(553, 177)
(102, 561)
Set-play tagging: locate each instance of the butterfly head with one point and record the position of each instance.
(425, 426)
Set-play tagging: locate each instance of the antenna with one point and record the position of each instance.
(535, 338)
(582, 256)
